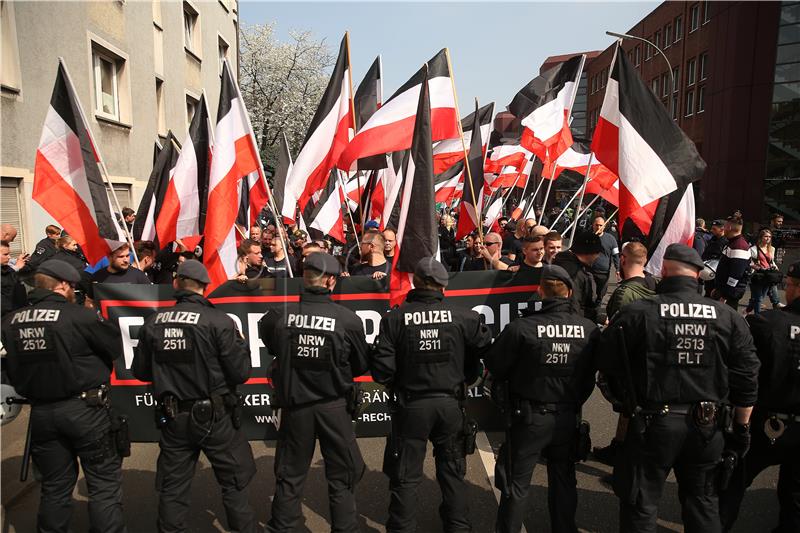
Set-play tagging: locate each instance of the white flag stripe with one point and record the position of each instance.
(547, 120)
(231, 127)
(184, 178)
(62, 149)
(404, 105)
(644, 163)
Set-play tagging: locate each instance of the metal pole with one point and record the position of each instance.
(574, 225)
(344, 193)
(659, 50)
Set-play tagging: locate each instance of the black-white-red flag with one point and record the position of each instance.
(328, 134)
(656, 162)
(448, 152)
(368, 99)
(469, 217)
(67, 182)
(144, 227)
(183, 211)
(417, 235)
(324, 212)
(391, 128)
(543, 107)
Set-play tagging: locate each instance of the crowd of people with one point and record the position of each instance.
(699, 389)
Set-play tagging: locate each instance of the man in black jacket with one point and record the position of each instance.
(577, 261)
(776, 418)
(12, 292)
(319, 347)
(60, 357)
(195, 357)
(680, 363)
(426, 353)
(733, 271)
(45, 249)
(547, 360)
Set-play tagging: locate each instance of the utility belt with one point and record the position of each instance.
(522, 409)
(96, 397)
(775, 423)
(458, 393)
(203, 410)
(704, 415)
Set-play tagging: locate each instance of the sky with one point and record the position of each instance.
(496, 48)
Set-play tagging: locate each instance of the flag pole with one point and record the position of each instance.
(609, 218)
(574, 225)
(262, 175)
(581, 190)
(347, 208)
(102, 167)
(478, 220)
(353, 118)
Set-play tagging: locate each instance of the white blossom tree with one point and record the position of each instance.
(281, 83)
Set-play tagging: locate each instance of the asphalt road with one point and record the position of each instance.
(597, 505)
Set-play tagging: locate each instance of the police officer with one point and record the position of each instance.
(319, 347)
(547, 360)
(60, 357)
(195, 357)
(776, 418)
(426, 353)
(685, 367)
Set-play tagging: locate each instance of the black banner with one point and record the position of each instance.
(495, 295)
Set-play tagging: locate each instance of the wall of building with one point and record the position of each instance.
(46, 31)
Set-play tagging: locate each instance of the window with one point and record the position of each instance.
(593, 85)
(191, 107)
(703, 65)
(637, 55)
(191, 29)
(667, 35)
(648, 50)
(161, 109)
(11, 74)
(675, 107)
(222, 47)
(603, 77)
(706, 11)
(701, 100)
(123, 192)
(11, 207)
(106, 86)
(657, 39)
(690, 71)
(678, 28)
(158, 49)
(689, 103)
(694, 17)
(664, 84)
(676, 79)
(654, 86)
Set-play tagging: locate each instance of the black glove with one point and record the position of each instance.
(738, 441)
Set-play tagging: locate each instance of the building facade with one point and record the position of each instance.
(730, 77)
(139, 69)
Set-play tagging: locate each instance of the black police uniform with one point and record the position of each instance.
(45, 249)
(679, 350)
(319, 347)
(58, 352)
(777, 339)
(547, 359)
(195, 357)
(426, 351)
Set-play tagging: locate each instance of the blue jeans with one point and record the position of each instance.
(773, 296)
(757, 294)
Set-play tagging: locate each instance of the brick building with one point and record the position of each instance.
(733, 85)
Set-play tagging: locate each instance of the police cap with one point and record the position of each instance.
(587, 242)
(193, 269)
(323, 263)
(557, 273)
(299, 234)
(684, 254)
(718, 223)
(794, 270)
(429, 268)
(60, 270)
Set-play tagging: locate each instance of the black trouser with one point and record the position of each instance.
(668, 442)
(551, 434)
(230, 456)
(601, 284)
(344, 466)
(61, 433)
(440, 421)
(762, 454)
